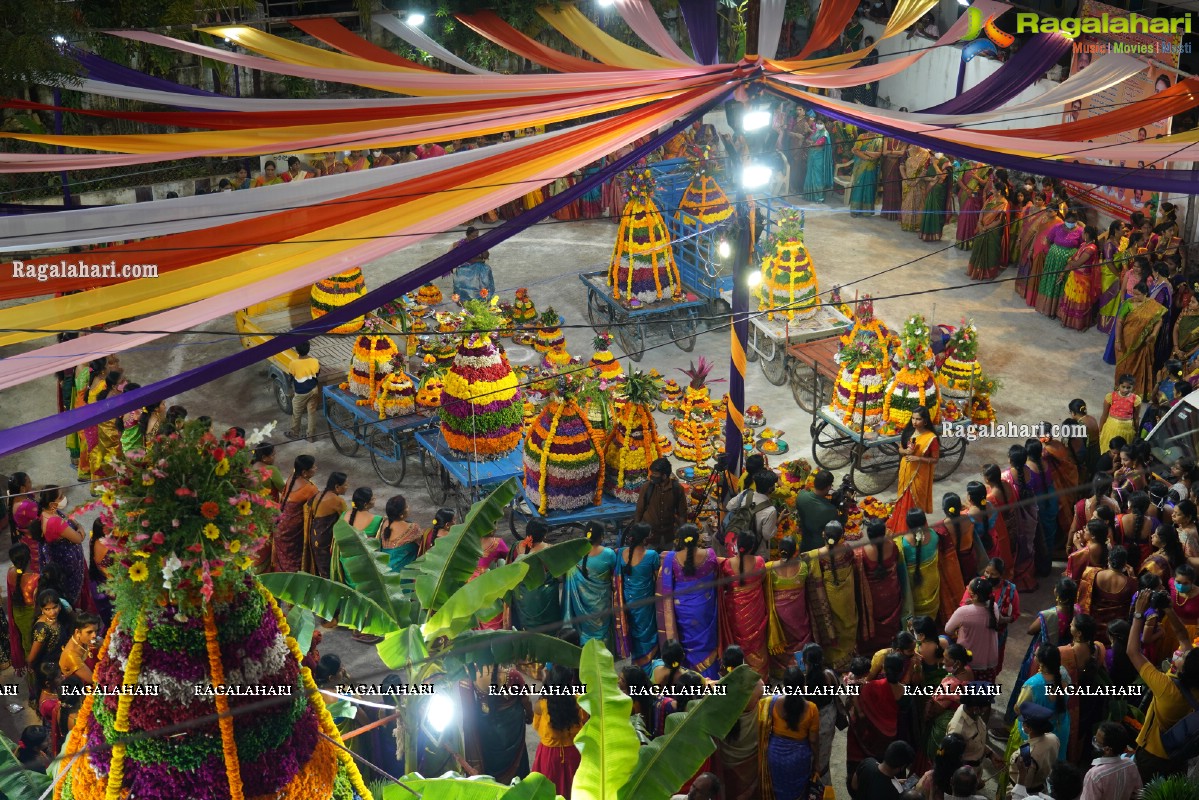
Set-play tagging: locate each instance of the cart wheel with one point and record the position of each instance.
(720, 310)
(829, 448)
(874, 470)
(682, 330)
(751, 345)
(632, 339)
(387, 457)
(775, 369)
(804, 384)
(343, 428)
(951, 458)
(282, 398)
(437, 482)
(598, 312)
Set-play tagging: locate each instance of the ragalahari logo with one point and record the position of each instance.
(977, 26)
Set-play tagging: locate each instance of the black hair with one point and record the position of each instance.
(899, 755)
(359, 501)
(964, 782)
(981, 587)
(443, 518)
(594, 534)
(834, 533)
(746, 544)
(959, 653)
(15, 482)
(691, 683)
(876, 533)
(1050, 660)
(1117, 559)
(396, 507)
(1077, 406)
(326, 668)
(812, 657)
(1139, 505)
(1066, 781)
(48, 597)
(673, 657)
(334, 480)
(1017, 457)
(687, 531)
(947, 761)
(993, 476)
(893, 667)
(1187, 508)
(303, 463)
(262, 451)
(754, 464)
(732, 657)
(909, 430)
(859, 666)
(1098, 530)
(635, 678)
(303, 348)
(976, 493)
(823, 479)
(32, 742)
(19, 554)
(788, 548)
(764, 481)
(563, 709)
(661, 466)
(795, 705)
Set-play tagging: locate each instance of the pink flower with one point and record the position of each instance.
(145, 523)
(195, 548)
(183, 491)
(158, 537)
(174, 523)
(141, 537)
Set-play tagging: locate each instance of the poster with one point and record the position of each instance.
(1163, 48)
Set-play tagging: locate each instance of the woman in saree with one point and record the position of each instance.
(789, 738)
(495, 550)
(921, 577)
(1186, 332)
(957, 532)
(20, 601)
(866, 154)
(61, 542)
(939, 708)
(398, 537)
(495, 722)
(1093, 554)
(787, 604)
(290, 548)
(79, 444)
(141, 425)
(819, 177)
(881, 607)
(743, 613)
(1063, 242)
(557, 719)
(969, 187)
(1081, 658)
(1049, 673)
(874, 714)
(738, 753)
(990, 528)
(1033, 224)
(1002, 497)
(894, 154)
(687, 601)
(591, 204)
(1137, 270)
(1136, 333)
(1018, 211)
(587, 590)
(1050, 628)
(1038, 252)
(107, 442)
(1025, 519)
(986, 255)
(936, 176)
(1044, 485)
(914, 187)
(540, 608)
(636, 577)
(1113, 253)
(1080, 294)
(1106, 592)
(920, 447)
(834, 586)
(327, 509)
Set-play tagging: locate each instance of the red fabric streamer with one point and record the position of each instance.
(337, 36)
(833, 18)
(489, 25)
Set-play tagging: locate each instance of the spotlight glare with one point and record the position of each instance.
(606, 3)
(755, 120)
(60, 40)
(723, 249)
(755, 176)
(754, 280)
(439, 712)
(415, 20)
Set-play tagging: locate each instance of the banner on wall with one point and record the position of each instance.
(1165, 48)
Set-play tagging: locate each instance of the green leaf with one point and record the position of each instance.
(368, 569)
(534, 787)
(401, 649)
(454, 557)
(557, 560)
(460, 611)
(301, 623)
(451, 788)
(607, 741)
(483, 648)
(329, 599)
(16, 782)
(666, 762)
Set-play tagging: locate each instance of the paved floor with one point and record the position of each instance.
(1042, 365)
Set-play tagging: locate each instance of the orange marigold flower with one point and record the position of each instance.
(209, 510)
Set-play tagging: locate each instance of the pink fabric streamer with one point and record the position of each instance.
(643, 21)
(431, 83)
(19, 369)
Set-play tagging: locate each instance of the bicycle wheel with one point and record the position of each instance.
(387, 457)
(830, 449)
(632, 339)
(437, 481)
(874, 470)
(343, 428)
(682, 329)
(751, 345)
(951, 458)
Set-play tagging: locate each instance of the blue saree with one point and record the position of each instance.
(687, 611)
(590, 594)
(636, 618)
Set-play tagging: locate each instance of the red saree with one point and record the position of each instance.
(873, 725)
(744, 621)
(1104, 607)
(880, 603)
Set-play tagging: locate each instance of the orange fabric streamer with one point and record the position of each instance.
(489, 25)
(337, 36)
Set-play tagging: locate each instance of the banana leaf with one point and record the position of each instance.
(557, 560)
(16, 782)
(534, 787)
(607, 741)
(454, 557)
(329, 599)
(482, 787)
(401, 649)
(301, 624)
(483, 648)
(368, 569)
(460, 611)
(667, 762)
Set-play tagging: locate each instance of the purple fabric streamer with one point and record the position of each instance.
(42, 430)
(700, 16)
(1175, 181)
(1028, 64)
(101, 69)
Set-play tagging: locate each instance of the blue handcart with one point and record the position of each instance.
(352, 426)
(457, 482)
(610, 511)
(633, 325)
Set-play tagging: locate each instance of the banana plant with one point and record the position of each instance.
(426, 613)
(534, 787)
(16, 782)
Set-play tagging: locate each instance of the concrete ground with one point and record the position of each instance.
(1041, 364)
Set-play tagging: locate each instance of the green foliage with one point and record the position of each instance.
(329, 599)
(368, 569)
(16, 782)
(301, 624)
(28, 53)
(607, 740)
(461, 611)
(643, 389)
(482, 648)
(534, 787)
(1173, 787)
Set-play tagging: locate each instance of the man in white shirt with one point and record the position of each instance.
(1112, 776)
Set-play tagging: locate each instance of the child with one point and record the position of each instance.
(305, 384)
(31, 749)
(558, 719)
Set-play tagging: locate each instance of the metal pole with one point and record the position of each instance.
(66, 186)
(734, 424)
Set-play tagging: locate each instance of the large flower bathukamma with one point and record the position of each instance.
(370, 363)
(913, 384)
(481, 405)
(789, 283)
(859, 394)
(696, 429)
(704, 199)
(961, 370)
(563, 469)
(643, 267)
(632, 444)
(188, 515)
(336, 291)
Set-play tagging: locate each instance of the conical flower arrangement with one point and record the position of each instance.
(859, 395)
(632, 444)
(397, 395)
(913, 385)
(336, 291)
(961, 370)
(643, 269)
(195, 637)
(603, 362)
(481, 405)
(550, 334)
(789, 286)
(371, 362)
(704, 199)
(696, 429)
(564, 470)
(864, 321)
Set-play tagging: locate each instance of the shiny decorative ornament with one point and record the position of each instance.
(336, 291)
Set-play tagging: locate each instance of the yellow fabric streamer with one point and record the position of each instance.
(197, 283)
(571, 23)
(906, 14)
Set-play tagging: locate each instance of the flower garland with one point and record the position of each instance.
(633, 446)
(573, 457)
(481, 408)
(789, 281)
(225, 721)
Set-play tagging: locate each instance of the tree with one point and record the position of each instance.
(29, 52)
(428, 629)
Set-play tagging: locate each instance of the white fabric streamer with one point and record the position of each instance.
(770, 27)
(420, 41)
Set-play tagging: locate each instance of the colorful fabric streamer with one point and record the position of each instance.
(489, 25)
(770, 27)
(643, 20)
(415, 37)
(1022, 70)
(337, 36)
(700, 18)
(571, 23)
(832, 18)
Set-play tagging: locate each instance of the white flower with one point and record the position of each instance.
(260, 435)
(169, 567)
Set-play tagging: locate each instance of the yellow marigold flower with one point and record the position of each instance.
(244, 508)
(138, 572)
(147, 481)
(222, 467)
(246, 562)
(212, 531)
(141, 554)
(234, 546)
